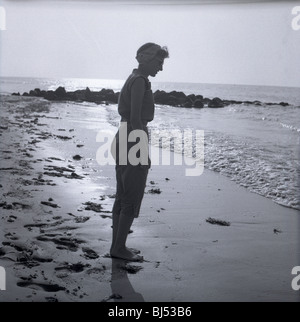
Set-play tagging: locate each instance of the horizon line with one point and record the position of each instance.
(152, 81)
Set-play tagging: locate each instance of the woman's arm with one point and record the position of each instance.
(139, 129)
(137, 95)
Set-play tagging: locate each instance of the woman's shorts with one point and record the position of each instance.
(131, 183)
(131, 179)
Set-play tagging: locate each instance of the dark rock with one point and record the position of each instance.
(192, 97)
(206, 101)
(238, 102)
(257, 103)
(16, 94)
(70, 96)
(107, 96)
(178, 94)
(199, 97)
(50, 95)
(60, 92)
(188, 104)
(216, 102)
(284, 104)
(180, 97)
(233, 102)
(198, 103)
(36, 92)
(173, 101)
(91, 96)
(80, 95)
(32, 93)
(160, 97)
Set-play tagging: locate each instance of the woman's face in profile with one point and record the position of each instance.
(154, 66)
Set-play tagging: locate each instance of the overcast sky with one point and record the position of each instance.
(236, 43)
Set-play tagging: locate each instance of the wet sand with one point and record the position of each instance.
(55, 231)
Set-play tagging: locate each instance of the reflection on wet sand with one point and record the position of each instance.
(121, 287)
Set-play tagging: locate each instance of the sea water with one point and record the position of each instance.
(257, 146)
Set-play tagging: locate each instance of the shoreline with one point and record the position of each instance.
(57, 250)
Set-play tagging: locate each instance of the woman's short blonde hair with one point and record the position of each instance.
(162, 52)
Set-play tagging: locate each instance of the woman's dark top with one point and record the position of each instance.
(124, 104)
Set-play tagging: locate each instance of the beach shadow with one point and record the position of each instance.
(120, 285)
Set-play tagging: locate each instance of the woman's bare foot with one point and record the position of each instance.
(127, 255)
(133, 250)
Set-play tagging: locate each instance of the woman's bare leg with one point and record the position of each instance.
(121, 227)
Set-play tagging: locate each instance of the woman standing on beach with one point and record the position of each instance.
(136, 107)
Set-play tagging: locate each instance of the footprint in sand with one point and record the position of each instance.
(71, 244)
(75, 268)
(41, 286)
(11, 236)
(46, 225)
(131, 269)
(20, 247)
(89, 253)
(11, 218)
(49, 204)
(81, 219)
(51, 299)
